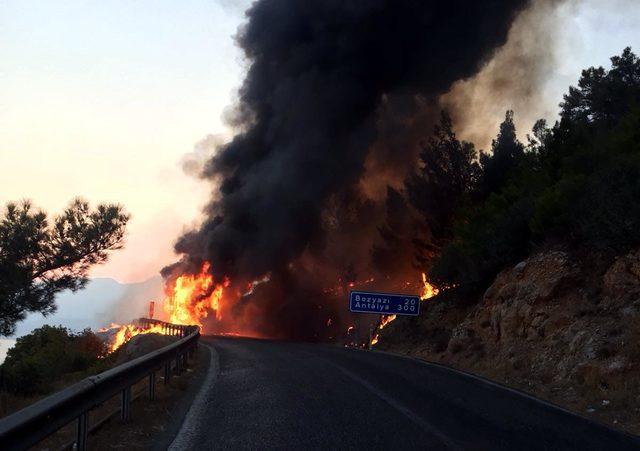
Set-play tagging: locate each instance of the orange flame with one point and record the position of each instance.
(127, 332)
(428, 291)
(386, 320)
(189, 298)
(193, 296)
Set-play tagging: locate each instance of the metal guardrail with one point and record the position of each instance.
(167, 328)
(36, 422)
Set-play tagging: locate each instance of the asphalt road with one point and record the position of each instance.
(272, 395)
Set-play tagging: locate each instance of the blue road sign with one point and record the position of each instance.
(384, 303)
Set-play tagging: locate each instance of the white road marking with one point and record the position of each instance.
(185, 439)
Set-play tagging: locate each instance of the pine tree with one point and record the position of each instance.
(38, 259)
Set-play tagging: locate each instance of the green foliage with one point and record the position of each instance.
(577, 183)
(603, 97)
(448, 172)
(601, 210)
(39, 258)
(506, 154)
(40, 359)
(494, 234)
(491, 227)
(552, 214)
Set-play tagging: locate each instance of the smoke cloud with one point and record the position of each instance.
(335, 100)
(195, 161)
(515, 77)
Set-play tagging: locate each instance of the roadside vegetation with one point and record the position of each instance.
(576, 183)
(46, 360)
(40, 360)
(52, 358)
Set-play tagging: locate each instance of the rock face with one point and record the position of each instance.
(563, 328)
(621, 279)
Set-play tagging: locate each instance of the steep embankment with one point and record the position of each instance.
(564, 328)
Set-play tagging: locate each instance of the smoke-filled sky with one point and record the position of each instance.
(105, 99)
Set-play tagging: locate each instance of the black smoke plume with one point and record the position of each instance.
(327, 101)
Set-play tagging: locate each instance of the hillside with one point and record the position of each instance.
(561, 326)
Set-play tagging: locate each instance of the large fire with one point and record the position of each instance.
(191, 297)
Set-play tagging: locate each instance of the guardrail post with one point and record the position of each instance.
(167, 372)
(72, 401)
(152, 385)
(81, 432)
(125, 411)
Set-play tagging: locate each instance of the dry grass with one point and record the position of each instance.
(10, 402)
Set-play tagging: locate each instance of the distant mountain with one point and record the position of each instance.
(102, 302)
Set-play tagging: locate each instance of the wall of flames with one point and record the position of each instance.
(192, 298)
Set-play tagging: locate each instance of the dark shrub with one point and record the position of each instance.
(41, 358)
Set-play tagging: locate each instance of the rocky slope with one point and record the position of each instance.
(563, 327)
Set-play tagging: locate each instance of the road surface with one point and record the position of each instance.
(272, 395)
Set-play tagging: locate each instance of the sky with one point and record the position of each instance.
(103, 99)
(591, 33)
